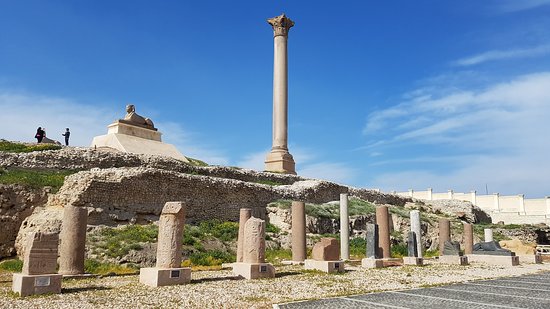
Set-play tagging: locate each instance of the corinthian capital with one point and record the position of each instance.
(281, 24)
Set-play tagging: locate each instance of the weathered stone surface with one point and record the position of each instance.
(411, 245)
(327, 249)
(383, 222)
(254, 241)
(444, 233)
(468, 238)
(298, 231)
(451, 248)
(461, 209)
(73, 240)
(170, 235)
(372, 241)
(518, 246)
(41, 254)
(245, 214)
(416, 227)
(344, 227)
(491, 248)
(17, 202)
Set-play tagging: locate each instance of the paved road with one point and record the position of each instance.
(529, 291)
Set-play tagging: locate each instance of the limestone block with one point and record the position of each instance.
(244, 215)
(153, 276)
(327, 249)
(500, 260)
(299, 252)
(325, 266)
(453, 259)
(254, 270)
(254, 241)
(383, 222)
(170, 235)
(40, 254)
(119, 127)
(530, 259)
(372, 263)
(27, 285)
(73, 240)
(411, 260)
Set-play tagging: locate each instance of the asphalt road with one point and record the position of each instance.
(529, 291)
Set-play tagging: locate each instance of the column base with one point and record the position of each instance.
(254, 270)
(27, 285)
(494, 259)
(325, 266)
(155, 277)
(412, 260)
(290, 262)
(280, 161)
(530, 259)
(453, 259)
(372, 263)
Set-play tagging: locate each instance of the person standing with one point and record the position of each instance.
(67, 134)
(39, 134)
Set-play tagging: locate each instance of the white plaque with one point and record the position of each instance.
(42, 281)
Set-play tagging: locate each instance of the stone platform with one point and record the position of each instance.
(254, 270)
(411, 260)
(530, 259)
(27, 285)
(325, 266)
(155, 277)
(494, 259)
(453, 259)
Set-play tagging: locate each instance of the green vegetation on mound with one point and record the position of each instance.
(34, 178)
(109, 269)
(8, 146)
(196, 162)
(331, 210)
(13, 265)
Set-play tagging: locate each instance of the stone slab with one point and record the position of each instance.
(411, 260)
(134, 144)
(372, 263)
(288, 262)
(155, 277)
(121, 127)
(325, 266)
(254, 270)
(27, 285)
(453, 259)
(530, 259)
(500, 260)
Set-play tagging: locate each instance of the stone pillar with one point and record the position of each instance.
(468, 238)
(170, 235)
(411, 193)
(521, 204)
(496, 202)
(444, 233)
(473, 197)
(430, 194)
(412, 245)
(547, 198)
(298, 231)
(254, 241)
(279, 159)
(372, 241)
(450, 194)
(383, 222)
(73, 240)
(488, 235)
(245, 214)
(415, 227)
(344, 227)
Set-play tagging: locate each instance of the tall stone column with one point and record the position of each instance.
(73, 240)
(344, 227)
(383, 222)
(298, 231)
(245, 214)
(468, 238)
(279, 159)
(444, 233)
(415, 227)
(171, 223)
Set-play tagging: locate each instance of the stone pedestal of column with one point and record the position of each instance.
(27, 285)
(494, 259)
(298, 232)
(468, 238)
(412, 260)
(253, 265)
(325, 266)
(73, 241)
(344, 227)
(279, 159)
(453, 259)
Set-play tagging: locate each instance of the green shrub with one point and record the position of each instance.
(18, 147)
(14, 265)
(358, 246)
(225, 231)
(275, 256)
(196, 162)
(270, 228)
(98, 268)
(399, 250)
(431, 253)
(119, 241)
(34, 179)
(211, 258)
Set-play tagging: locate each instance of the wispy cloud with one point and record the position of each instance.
(494, 55)
(509, 6)
(21, 113)
(495, 135)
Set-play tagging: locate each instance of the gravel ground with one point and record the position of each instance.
(220, 289)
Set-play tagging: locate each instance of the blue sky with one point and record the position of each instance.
(382, 94)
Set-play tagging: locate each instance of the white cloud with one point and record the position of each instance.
(22, 113)
(496, 135)
(509, 6)
(494, 55)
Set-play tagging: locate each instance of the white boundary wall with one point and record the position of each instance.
(512, 209)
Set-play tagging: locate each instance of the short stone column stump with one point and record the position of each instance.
(254, 270)
(153, 276)
(27, 285)
(325, 266)
(453, 259)
(412, 260)
(500, 260)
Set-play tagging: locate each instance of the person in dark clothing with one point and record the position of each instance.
(67, 134)
(39, 134)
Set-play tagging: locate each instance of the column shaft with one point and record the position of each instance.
(383, 222)
(73, 240)
(415, 227)
(280, 93)
(344, 227)
(298, 231)
(468, 238)
(244, 215)
(444, 233)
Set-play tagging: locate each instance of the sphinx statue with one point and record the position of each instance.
(133, 118)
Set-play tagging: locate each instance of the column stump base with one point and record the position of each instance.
(411, 260)
(27, 285)
(254, 270)
(494, 259)
(155, 277)
(530, 259)
(453, 259)
(372, 263)
(325, 266)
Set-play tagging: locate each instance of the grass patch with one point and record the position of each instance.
(196, 162)
(358, 247)
(14, 265)
(431, 253)
(108, 269)
(33, 178)
(210, 258)
(268, 182)
(275, 256)
(119, 242)
(224, 231)
(8, 146)
(398, 251)
(270, 228)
